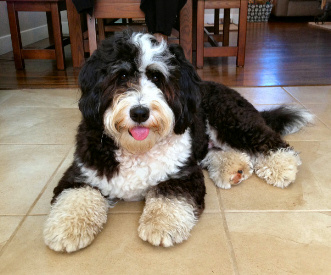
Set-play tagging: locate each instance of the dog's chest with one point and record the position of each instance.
(139, 172)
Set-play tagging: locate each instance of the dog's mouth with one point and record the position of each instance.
(139, 132)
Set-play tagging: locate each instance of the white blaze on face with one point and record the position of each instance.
(152, 55)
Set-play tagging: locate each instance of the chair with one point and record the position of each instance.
(225, 50)
(52, 9)
(131, 9)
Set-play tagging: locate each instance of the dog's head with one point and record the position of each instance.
(138, 90)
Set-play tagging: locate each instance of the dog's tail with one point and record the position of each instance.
(287, 119)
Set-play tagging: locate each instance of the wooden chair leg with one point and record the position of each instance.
(185, 31)
(92, 36)
(76, 34)
(217, 21)
(50, 27)
(15, 35)
(242, 26)
(226, 27)
(57, 29)
(200, 31)
(101, 29)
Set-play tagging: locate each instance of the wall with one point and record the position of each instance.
(234, 15)
(32, 24)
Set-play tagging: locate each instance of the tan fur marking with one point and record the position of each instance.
(76, 217)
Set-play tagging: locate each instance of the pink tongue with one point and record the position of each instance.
(139, 133)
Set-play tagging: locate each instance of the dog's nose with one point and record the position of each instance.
(139, 114)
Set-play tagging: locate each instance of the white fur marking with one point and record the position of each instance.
(151, 54)
(139, 172)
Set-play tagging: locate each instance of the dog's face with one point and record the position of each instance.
(138, 91)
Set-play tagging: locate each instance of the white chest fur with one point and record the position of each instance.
(139, 172)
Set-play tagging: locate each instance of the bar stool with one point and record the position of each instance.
(224, 50)
(52, 9)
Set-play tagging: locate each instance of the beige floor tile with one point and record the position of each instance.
(322, 111)
(119, 250)
(53, 98)
(266, 95)
(311, 94)
(24, 171)
(29, 125)
(8, 224)
(5, 94)
(310, 191)
(281, 243)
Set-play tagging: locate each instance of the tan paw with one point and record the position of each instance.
(165, 222)
(76, 217)
(279, 168)
(228, 168)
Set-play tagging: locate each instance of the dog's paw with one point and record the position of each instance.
(165, 222)
(279, 168)
(75, 219)
(228, 168)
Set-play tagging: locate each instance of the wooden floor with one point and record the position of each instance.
(277, 54)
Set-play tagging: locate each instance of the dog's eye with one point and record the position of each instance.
(155, 79)
(124, 77)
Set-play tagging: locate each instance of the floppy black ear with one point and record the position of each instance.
(189, 94)
(89, 77)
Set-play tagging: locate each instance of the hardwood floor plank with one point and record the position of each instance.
(277, 54)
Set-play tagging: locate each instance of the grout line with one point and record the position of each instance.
(33, 204)
(227, 233)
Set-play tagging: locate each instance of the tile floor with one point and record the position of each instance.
(253, 228)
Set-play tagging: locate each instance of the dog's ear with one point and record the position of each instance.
(189, 94)
(89, 77)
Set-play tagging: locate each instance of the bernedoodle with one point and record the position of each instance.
(149, 127)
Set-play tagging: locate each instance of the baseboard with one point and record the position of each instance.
(28, 37)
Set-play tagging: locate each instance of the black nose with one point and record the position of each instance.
(139, 114)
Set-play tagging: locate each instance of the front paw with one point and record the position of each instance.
(279, 168)
(75, 219)
(165, 222)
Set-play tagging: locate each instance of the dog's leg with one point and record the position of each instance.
(172, 209)
(76, 217)
(278, 168)
(227, 168)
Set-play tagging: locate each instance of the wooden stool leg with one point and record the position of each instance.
(15, 35)
(200, 31)
(242, 33)
(226, 27)
(92, 36)
(56, 21)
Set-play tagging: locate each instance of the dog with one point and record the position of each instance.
(149, 126)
